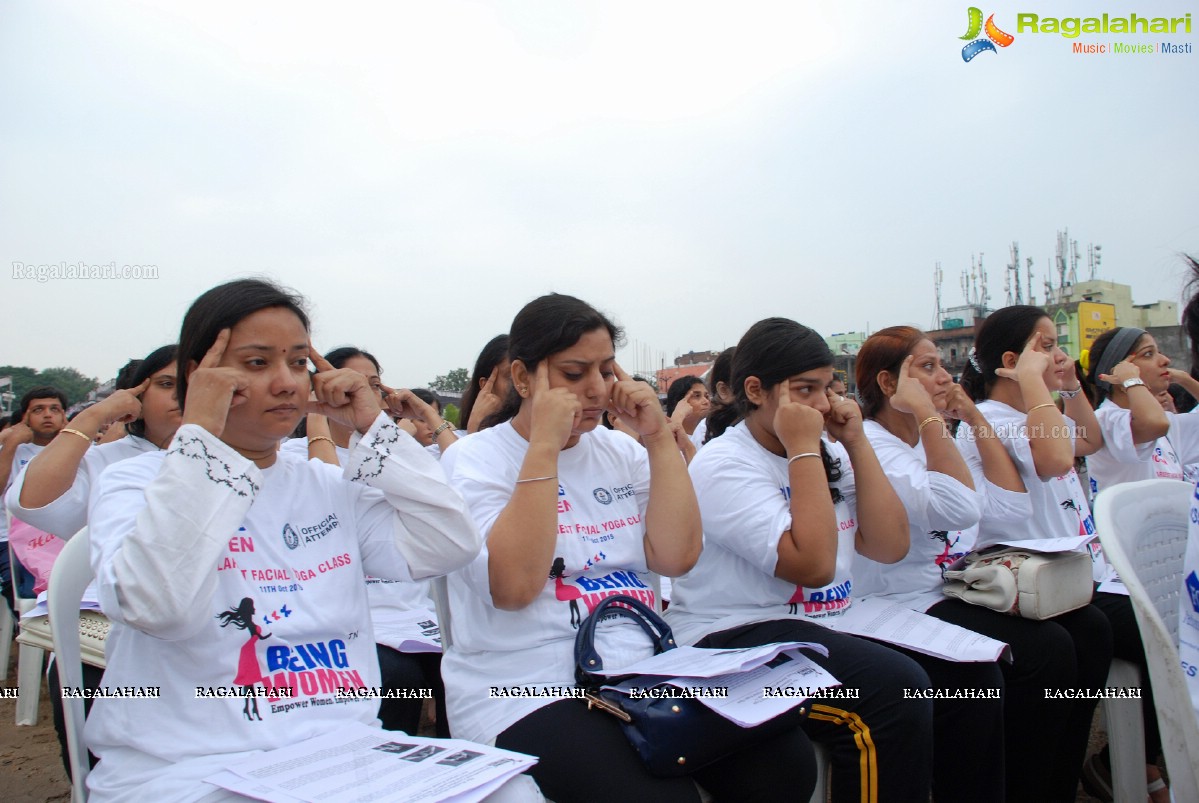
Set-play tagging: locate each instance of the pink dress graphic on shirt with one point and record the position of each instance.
(249, 672)
(944, 559)
(565, 593)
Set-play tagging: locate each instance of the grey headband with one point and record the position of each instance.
(1117, 349)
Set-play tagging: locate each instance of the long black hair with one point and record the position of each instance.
(492, 355)
(223, 307)
(155, 361)
(774, 350)
(1004, 330)
(546, 326)
(1190, 313)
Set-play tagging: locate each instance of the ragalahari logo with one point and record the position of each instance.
(994, 35)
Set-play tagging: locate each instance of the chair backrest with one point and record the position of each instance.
(439, 590)
(70, 576)
(1143, 529)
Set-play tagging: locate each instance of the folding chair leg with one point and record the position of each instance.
(1126, 735)
(29, 677)
(6, 637)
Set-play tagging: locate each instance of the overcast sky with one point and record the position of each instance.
(420, 170)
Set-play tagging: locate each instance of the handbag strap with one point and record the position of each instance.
(588, 660)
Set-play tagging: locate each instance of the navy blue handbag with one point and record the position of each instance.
(673, 736)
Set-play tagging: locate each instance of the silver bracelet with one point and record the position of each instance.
(1070, 394)
(793, 458)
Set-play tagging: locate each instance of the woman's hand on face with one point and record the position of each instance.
(959, 405)
(637, 404)
(681, 411)
(844, 419)
(797, 426)
(1031, 362)
(1122, 372)
(343, 395)
(213, 390)
(122, 407)
(555, 411)
(488, 401)
(910, 395)
(406, 404)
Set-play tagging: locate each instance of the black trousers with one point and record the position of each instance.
(584, 757)
(1045, 739)
(880, 745)
(410, 670)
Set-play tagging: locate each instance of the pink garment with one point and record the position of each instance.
(249, 673)
(36, 550)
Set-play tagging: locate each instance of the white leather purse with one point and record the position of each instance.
(1034, 585)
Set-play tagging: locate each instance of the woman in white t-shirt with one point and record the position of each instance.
(222, 522)
(687, 403)
(572, 513)
(1014, 367)
(906, 395)
(784, 510)
(1127, 374)
(1141, 440)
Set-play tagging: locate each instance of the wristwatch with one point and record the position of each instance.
(1132, 383)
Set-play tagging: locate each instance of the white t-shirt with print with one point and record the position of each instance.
(1188, 607)
(401, 611)
(1056, 508)
(183, 539)
(744, 496)
(603, 491)
(67, 514)
(942, 514)
(1120, 460)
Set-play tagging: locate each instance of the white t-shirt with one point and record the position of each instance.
(942, 514)
(67, 514)
(603, 492)
(744, 494)
(1120, 460)
(1055, 508)
(401, 612)
(1188, 607)
(701, 429)
(24, 453)
(183, 539)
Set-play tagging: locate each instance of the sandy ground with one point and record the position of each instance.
(31, 767)
(30, 761)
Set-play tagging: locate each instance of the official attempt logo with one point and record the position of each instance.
(994, 36)
(602, 495)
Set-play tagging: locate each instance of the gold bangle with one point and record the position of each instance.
(316, 438)
(929, 420)
(538, 479)
(1039, 406)
(83, 435)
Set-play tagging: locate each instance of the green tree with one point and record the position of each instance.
(450, 413)
(456, 380)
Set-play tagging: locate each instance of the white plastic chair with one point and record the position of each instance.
(70, 576)
(6, 627)
(31, 659)
(1143, 529)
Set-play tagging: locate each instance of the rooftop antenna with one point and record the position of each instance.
(938, 278)
(1075, 258)
(1061, 254)
(1028, 272)
(984, 297)
(1094, 258)
(1013, 273)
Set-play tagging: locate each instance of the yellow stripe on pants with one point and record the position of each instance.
(868, 759)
